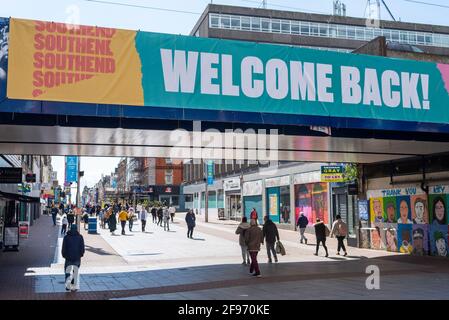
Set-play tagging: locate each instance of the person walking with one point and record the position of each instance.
(154, 214)
(101, 218)
(166, 216)
(302, 225)
(131, 216)
(70, 219)
(112, 220)
(340, 230)
(190, 220)
(253, 215)
(54, 213)
(253, 240)
(143, 217)
(72, 251)
(241, 229)
(86, 220)
(123, 217)
(320, 232)
(160, 213)
(270, 234)
(172, 211)
(65, 222)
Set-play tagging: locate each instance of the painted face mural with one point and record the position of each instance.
(403, 210)
(391, 240)
(440, 244)
(419, 211)
(391, 213)
(439, 211)
(377, 209)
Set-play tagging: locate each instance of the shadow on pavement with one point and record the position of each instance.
(200, 239)
(144, 254)
(98, 251)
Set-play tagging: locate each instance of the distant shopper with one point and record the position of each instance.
(241, 229)
(270, 234)
(253, 240)
(70, 219)
(302, 225)
(54, 213)
(143, 217)
(253, 215)
(112, 221)
(166, 216)
(123, 217)
(72, 251)
(320, 232)
(160, 214)
(65, 222)
(101, 217)
(340, 230)
(172, 211)
(154, 214)
(131, 216)
(190, 220)
(86, 220)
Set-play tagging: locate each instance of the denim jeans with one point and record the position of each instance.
(144, 223)
(341, 244)
(167, 224)
(301, 232)
(76, 263)
(270, 248)
(123, 226)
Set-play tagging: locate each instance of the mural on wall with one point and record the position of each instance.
(415, 223)
(420, 239)
(438, 240)
(365, 238)
(405, 238)
(378, 237)
(312, 199)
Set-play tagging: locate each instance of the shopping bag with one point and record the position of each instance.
(280, 248)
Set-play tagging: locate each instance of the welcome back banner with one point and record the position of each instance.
(58, 62)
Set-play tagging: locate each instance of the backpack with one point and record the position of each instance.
(342, 229)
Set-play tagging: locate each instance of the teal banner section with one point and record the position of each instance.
(213, 74)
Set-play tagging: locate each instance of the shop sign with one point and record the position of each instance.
(231, 184)
(307, 177)
(11, 237)
(24, 229)
(10, 175)
(332, 173)
(71, 169)
(210, 172)
(252, 188)
(277, 182)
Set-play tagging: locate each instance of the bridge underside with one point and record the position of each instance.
(187, 144)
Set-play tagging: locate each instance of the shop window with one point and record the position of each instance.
(276, 26)
(284, 204)
(235, 23)
(266, 25)
(295, 28)
(225, 22)
(285, 26)
(246, 23)
(255, 24)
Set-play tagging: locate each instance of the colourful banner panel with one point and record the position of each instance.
(58, 62)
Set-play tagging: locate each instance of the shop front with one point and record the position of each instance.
(233, 199)
(311, 197)
(345, 205)
(168, 195)
(278, 199)
(252, 199)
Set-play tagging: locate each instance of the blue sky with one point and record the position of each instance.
(101, 14)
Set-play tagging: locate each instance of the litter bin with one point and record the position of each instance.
(92, 227)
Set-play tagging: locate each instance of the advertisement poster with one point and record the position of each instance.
(24, 229)
(312, 199)
(11, 238)
(90, 64)
(274, 209)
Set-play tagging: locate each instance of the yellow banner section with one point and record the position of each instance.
(60, 62)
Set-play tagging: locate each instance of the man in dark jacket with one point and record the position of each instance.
(54, 213)
(72, 251)
(270, 234)
(320, 232)
(190, 220)
(302, 225)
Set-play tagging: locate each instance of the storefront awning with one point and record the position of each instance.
(19, 197)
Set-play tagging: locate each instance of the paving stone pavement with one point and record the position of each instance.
(167, 265)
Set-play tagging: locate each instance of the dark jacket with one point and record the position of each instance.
(160, 212)
(302, 222)
(71, 218)
(153, 211)
(270, 231)
(54, 211)
(320, 231)
(190, 219)
(73, 246)
(112, 222)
